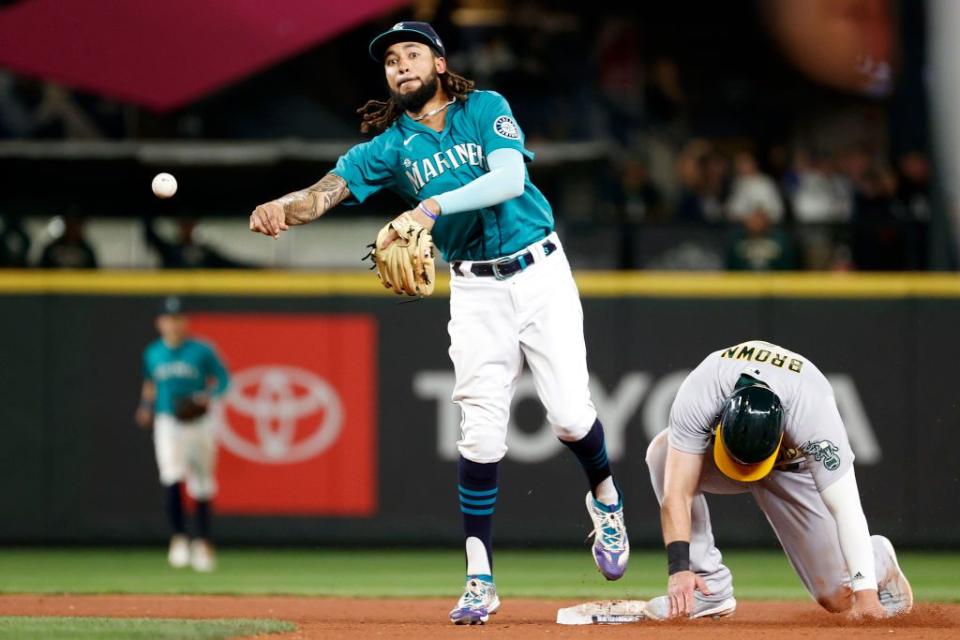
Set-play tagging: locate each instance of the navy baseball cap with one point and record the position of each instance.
(406, 32)
(171, 306)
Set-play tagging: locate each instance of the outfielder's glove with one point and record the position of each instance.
(407, 265)
(189, 408)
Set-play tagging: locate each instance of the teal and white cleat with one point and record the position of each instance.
(478, 602)
(611, 547)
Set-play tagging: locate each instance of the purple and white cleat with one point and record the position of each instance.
(478, 601)
(611, 547)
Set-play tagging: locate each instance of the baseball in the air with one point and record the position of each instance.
(164, 185)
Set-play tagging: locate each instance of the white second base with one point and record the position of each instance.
(603, 612)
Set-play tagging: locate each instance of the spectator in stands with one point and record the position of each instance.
(665, 99)
(14, 243)
(913, 189)
(71, 250)
(691, 174)
(752, 190)
(185, 252)
(778, 163)
(817, 192)
(640, 199)
(873, 194)
(912, 206)
(879, 242)
(703, 181)
(620, 74)
(716, 185)
(759, 246)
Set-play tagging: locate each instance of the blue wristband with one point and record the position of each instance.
(427, 212)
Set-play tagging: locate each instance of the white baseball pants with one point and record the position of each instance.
(495, 325)
(186, 452)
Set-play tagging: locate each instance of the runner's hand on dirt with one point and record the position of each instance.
(680, 588)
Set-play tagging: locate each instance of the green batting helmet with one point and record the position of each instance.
(749, 433)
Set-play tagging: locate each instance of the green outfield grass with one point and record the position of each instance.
(405, 573)
(21, 628)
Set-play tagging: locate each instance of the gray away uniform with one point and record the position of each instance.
(814, 454)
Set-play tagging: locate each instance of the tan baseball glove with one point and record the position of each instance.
(407, 265)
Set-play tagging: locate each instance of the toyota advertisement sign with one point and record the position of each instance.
(297, 425)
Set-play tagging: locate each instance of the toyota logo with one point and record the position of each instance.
(277, 414)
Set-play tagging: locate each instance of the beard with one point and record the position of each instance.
(414, 101)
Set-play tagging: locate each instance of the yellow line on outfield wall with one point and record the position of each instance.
(220, 282)
(791, 285)
(594, 284)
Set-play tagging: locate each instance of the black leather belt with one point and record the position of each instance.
(504, 267)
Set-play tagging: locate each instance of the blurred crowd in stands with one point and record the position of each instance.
(70, 248)
(707, 126)
(801, 210)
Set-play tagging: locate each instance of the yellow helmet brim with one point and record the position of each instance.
(737, 471)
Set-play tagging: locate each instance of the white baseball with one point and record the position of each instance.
(164, 185)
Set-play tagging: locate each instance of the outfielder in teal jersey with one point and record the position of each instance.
(183, 371)
(456, 155)
(180, 372)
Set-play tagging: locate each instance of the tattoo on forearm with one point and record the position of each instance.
(306, 205)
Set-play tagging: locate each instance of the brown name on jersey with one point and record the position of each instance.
(754, 353)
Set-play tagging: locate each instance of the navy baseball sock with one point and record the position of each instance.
(591, 451)
(203, 519)
(478, 498)
(175, 508)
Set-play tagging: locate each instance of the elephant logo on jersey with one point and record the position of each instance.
(279, 414)
(823, 451)
(505, 127)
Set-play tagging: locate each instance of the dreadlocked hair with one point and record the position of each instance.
(377, 115)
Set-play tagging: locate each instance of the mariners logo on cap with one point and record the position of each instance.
(171, 305)
(403, 32)
(505, 127)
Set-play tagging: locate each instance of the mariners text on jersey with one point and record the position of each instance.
(422, 171)
(182, 371)
(417, 162)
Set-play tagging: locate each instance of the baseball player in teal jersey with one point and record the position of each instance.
(457, 157)
(181, 376)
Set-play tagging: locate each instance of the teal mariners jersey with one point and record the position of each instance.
(182, 371)
(416, 162)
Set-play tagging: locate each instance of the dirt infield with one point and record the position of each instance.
(425, 619)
